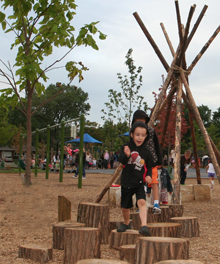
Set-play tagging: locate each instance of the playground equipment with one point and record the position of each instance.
(48, 157)
(177, 76)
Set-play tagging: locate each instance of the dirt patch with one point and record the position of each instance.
(28, 213)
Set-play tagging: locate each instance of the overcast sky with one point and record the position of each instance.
(123, 32)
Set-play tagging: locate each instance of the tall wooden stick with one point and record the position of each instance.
(168, 39)
(197, 58)
(201, 126)
(176, 182)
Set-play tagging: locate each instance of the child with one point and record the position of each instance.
(136, 158)
(165, 186)
(152, 143)
(57, 166)
(211, 173)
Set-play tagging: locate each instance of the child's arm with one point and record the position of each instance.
(149, 164)
(125, 154)
(206, 168)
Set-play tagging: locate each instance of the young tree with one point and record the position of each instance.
(38, 27)
(122, 104)
(169, 141)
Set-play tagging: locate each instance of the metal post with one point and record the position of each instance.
(48, 152)
(82, 121)
(36, 152)
(62, 151)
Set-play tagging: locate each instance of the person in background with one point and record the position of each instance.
(152, 143)
(77, 162)
(185, 162)
(106, 159)
(211, 173)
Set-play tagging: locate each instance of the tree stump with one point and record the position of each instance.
(64, 209)
(127, 252)
(180, 261)
(176, 210)
(118, 239)
(155, 218)
(165, 229)
(101, 261)
(81, 243)
(38, 253)
(95, 215)
(112, 202)
(58, 233)
(136, 222)
(154, 249)
(190, 226)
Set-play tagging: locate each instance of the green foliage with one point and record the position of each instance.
(39, 26)
(122, 104)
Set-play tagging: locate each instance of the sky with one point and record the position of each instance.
(123, 32)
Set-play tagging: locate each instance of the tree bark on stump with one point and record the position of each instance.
(136, 222)
(127, 253)
(118, 239)
(163, 217)
(81, 243)
(154, 249)
(176, 210)
(95, 215)
(180, 261)
(100, 261)
(165, 229)
(190, 226)
(38, 253)
(64, 209)
(58, 233)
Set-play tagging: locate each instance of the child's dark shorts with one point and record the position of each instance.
(127, 193)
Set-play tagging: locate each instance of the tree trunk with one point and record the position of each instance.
(95, 215)
(64, 209)
(101, 261)
(118, 239)
(37, 253)
(127, 253)
(27, 181)
(154, 249)
(165, 229)
(176, 182)
(81, 243)
(180, 261)
(190, 226)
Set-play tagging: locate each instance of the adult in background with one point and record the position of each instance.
(77, 162)
(185, 162)
(106, 159)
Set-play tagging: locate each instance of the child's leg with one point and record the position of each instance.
(142, 211)
(126, 215)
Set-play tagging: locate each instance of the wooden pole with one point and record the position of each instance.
(201, 126)
(179, 20)
(150, 39)
(203, 49)
(176, 189)
(168, 39)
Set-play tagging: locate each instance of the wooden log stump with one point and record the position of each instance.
(176, 210)
(155, 218)
(154, 249)
(118, 239)
(112, 202)
(180, 261)
(136, 222)
(64, 209)
(81, 243)
(165, 229)
(101, 261)
(127, 253)
(58, 233)
(95, 215)
(190, 226)
(38, 253)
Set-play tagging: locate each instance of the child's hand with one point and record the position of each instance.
(170, 192)
(148, 179)
(148, 194)
(127, 151)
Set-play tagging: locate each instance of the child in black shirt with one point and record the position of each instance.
(137, 161)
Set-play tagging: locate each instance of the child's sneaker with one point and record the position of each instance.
(156, 209)
(123, 228)
(144, 231)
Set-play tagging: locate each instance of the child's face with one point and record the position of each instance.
(140, 119)
(187, 155)
(139, 135)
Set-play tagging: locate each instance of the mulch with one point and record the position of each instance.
(27, 215)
